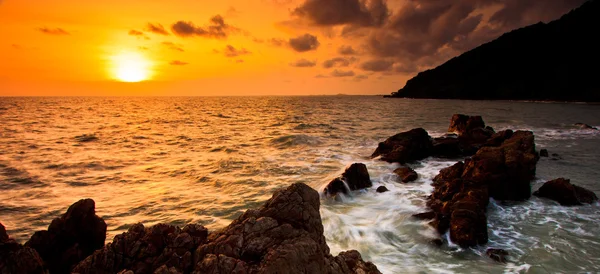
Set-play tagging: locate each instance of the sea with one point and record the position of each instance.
(206, 160)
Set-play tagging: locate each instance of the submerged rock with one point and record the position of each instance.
(585, 126)
(498, 255)
(406, 174)
(567, 194)
(425, 215)
(405, 147)
(86, 138)
(382, 189)
(70, 238)
(285, 235)
(356, 177)
(15, 258)
(544, 153)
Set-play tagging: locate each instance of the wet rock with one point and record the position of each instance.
(498, 138)
(15, 258)
(446, 147)
(585, 126)
(463, 124)
(382, 189)
(70, 238)
(498, 255)
(425, 215)
(285, 235)
(406, 174)
(437, 242)
(405, 147)
(356, 177)
(86, 138)
(567, 194)
(544, 153)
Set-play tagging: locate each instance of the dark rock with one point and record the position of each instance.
(86, 138)
(544, 153)
(446, 147)
(285, 235)
(567, 194)
(488, 72)
(498, 255)
(498, 138)
(356, 176)
(405, 147)
(584, 126)
(437, 242)
(70, 238)
(425, 215)
(382, 189)
(406, 174)
(15, 258)
(463, 125)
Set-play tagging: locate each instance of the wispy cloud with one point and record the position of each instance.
(53, 31)
(178, 63)
(173, 46)
(303, 63)
(157, 29)
(217, 29)
(342, 73)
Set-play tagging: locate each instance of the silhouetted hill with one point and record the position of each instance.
(558, 61)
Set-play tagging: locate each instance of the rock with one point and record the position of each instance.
(382, 189)
(462, 124)
(544, 153)
(498, 138)
(567, 194)
(405, 147)
(437, 242)
(15, 258)
(498, 255)
(285, 235)
(425, 215)
(406, 174)
(356, 177)
(86, 138)
(70, 238)
(446, 147)
(585, 126)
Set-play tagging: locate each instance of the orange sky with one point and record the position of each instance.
(72, 47)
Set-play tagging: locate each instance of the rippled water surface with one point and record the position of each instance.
(206, 160)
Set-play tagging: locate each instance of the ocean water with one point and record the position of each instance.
(208, 159)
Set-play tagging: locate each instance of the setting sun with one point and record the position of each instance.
(131, 67)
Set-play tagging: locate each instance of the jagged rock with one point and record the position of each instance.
(285, 235)
(356, 176)
(498, 255)
(567, 194)
(15, 258)
(498, 138)
(463, 125)
(382, 189)
(406, 174)
(447, 147)
(405, 147)
(585, 126)
(70, 238)
(425, 215)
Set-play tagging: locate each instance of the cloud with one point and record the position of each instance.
(173, 46)
(340, 12)
(360, 77)
(347, 50)
(304, 43)
(377, 65)
(232, 12)
(231, 51)
(321, 76)
(53, 31)
(157, 29)
(143, 48)
(337, 62)
(178, 63)
(216, 29)
(15, 46)
(135, 33)
(303, 63)
(342, 73)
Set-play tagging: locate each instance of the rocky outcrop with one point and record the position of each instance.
(464, 125)
(406, 174)
(15, 258)
(405, 147)
(567, 194)
(356, 177)
(285, 235)
(70, 238)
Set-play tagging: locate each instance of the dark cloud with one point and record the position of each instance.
(304, 43)
(173, 46)
(53, 31)
(303, 63)
(340, 12)
(361, 77)
(217, 29)
(231, 51)
(277, 42)
(342, 73)
(337, 62)
(178, 63)
(157, 29)
(377, 65)
(347, 50)
(135, 33)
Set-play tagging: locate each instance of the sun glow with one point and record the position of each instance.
(131, 67)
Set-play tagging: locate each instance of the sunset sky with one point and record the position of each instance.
(243, 47)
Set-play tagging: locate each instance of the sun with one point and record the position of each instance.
(131, 67)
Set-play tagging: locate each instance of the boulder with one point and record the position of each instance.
(382, 189)
(15, 258)
(462, 124)
(544, 153)
(356, 177)
(404, 147)
(70, 238)
(567, 194)
(498, 255)
(425, 215)
(446, 147)
(285, 235)
(406, 174)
